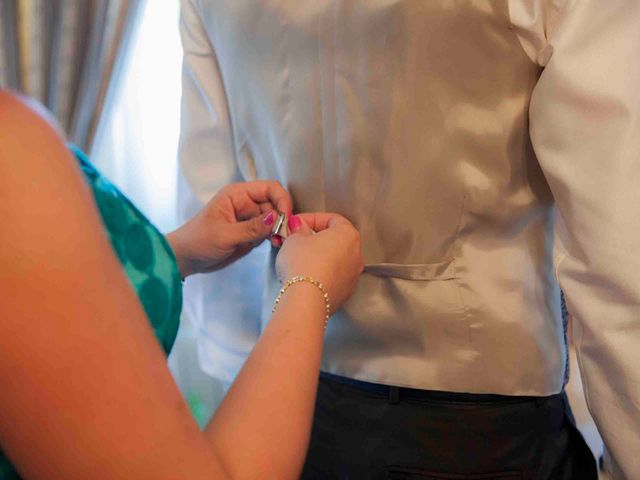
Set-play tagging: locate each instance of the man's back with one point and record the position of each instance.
(411, 118)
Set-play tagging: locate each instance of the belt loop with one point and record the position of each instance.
(394, 395)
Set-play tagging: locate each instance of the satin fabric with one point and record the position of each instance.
(445, 131)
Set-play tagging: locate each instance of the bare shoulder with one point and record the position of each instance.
(14, 103)
(38, 174)
(30, 140)
(22, 118)
(15, 109)
(7, 98)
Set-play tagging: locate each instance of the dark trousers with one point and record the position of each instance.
(365, 431)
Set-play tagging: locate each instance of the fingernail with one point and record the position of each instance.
(269, 219)
(294, 223)
(277, 240)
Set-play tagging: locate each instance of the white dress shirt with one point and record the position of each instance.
(486, 150)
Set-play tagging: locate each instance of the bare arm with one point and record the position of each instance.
(272, 420)
(86, 391)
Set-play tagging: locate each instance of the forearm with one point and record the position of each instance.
(179, 250)
(265, 420)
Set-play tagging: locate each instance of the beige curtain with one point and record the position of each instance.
(66, 53)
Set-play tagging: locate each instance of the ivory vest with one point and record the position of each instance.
(410, 118)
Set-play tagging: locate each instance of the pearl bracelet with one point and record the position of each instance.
(312, 281)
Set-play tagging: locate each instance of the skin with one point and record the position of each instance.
(238, 218)
(85, 388)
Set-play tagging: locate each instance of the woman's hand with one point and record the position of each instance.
(237, 219)
(332, 255)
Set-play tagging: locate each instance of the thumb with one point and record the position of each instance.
(253, 230)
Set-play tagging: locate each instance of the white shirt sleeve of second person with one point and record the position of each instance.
(223, 306)
(585, 129)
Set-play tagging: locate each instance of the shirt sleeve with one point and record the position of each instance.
(224, 307)
(206, 147)
(585, 129)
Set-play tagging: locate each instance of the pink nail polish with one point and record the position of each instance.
(294, 223)
(277, 240)
(268, 220)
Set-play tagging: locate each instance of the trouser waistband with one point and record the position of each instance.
(395, 393)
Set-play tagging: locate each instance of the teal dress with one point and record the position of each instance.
(146, 258)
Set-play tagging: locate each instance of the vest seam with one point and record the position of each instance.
(466, 314)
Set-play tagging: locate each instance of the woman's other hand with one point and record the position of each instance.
(237, 219)
(332, 255)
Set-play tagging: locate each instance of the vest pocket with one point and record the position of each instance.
(418, 272)
(421, 303)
